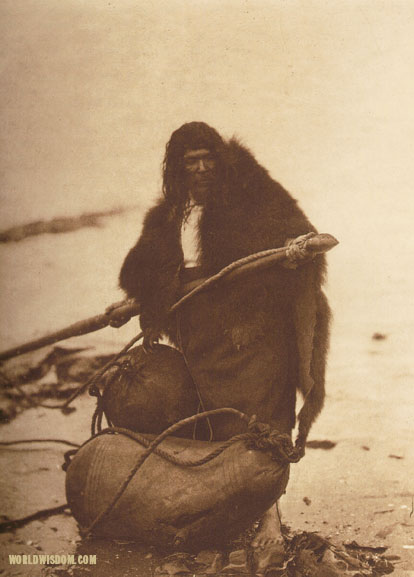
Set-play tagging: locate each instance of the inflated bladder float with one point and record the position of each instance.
(149, 392)
(170, 499)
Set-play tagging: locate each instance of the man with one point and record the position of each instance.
(249, 344)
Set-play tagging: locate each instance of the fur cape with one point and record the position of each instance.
(255, 214)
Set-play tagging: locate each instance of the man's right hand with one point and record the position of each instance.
(118, 317)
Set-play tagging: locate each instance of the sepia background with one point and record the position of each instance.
(322, 92)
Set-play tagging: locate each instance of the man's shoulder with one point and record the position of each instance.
(250, 181)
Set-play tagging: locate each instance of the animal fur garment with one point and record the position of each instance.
(282, 309)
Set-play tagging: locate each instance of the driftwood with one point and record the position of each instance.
(298, 250)
(84, 327)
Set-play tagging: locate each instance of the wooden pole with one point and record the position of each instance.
(116, 317)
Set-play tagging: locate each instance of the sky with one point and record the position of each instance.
(321, 91)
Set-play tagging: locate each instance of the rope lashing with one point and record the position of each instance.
(280, 444)
(254, 438)
(296, 250)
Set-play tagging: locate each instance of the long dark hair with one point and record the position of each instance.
(191, 136)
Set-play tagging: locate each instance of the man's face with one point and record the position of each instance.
(200, 171)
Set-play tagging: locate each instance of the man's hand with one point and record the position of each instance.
(151, 338)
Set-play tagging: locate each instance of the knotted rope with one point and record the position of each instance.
(296, 251)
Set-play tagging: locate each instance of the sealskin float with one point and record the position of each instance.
(170, 503)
